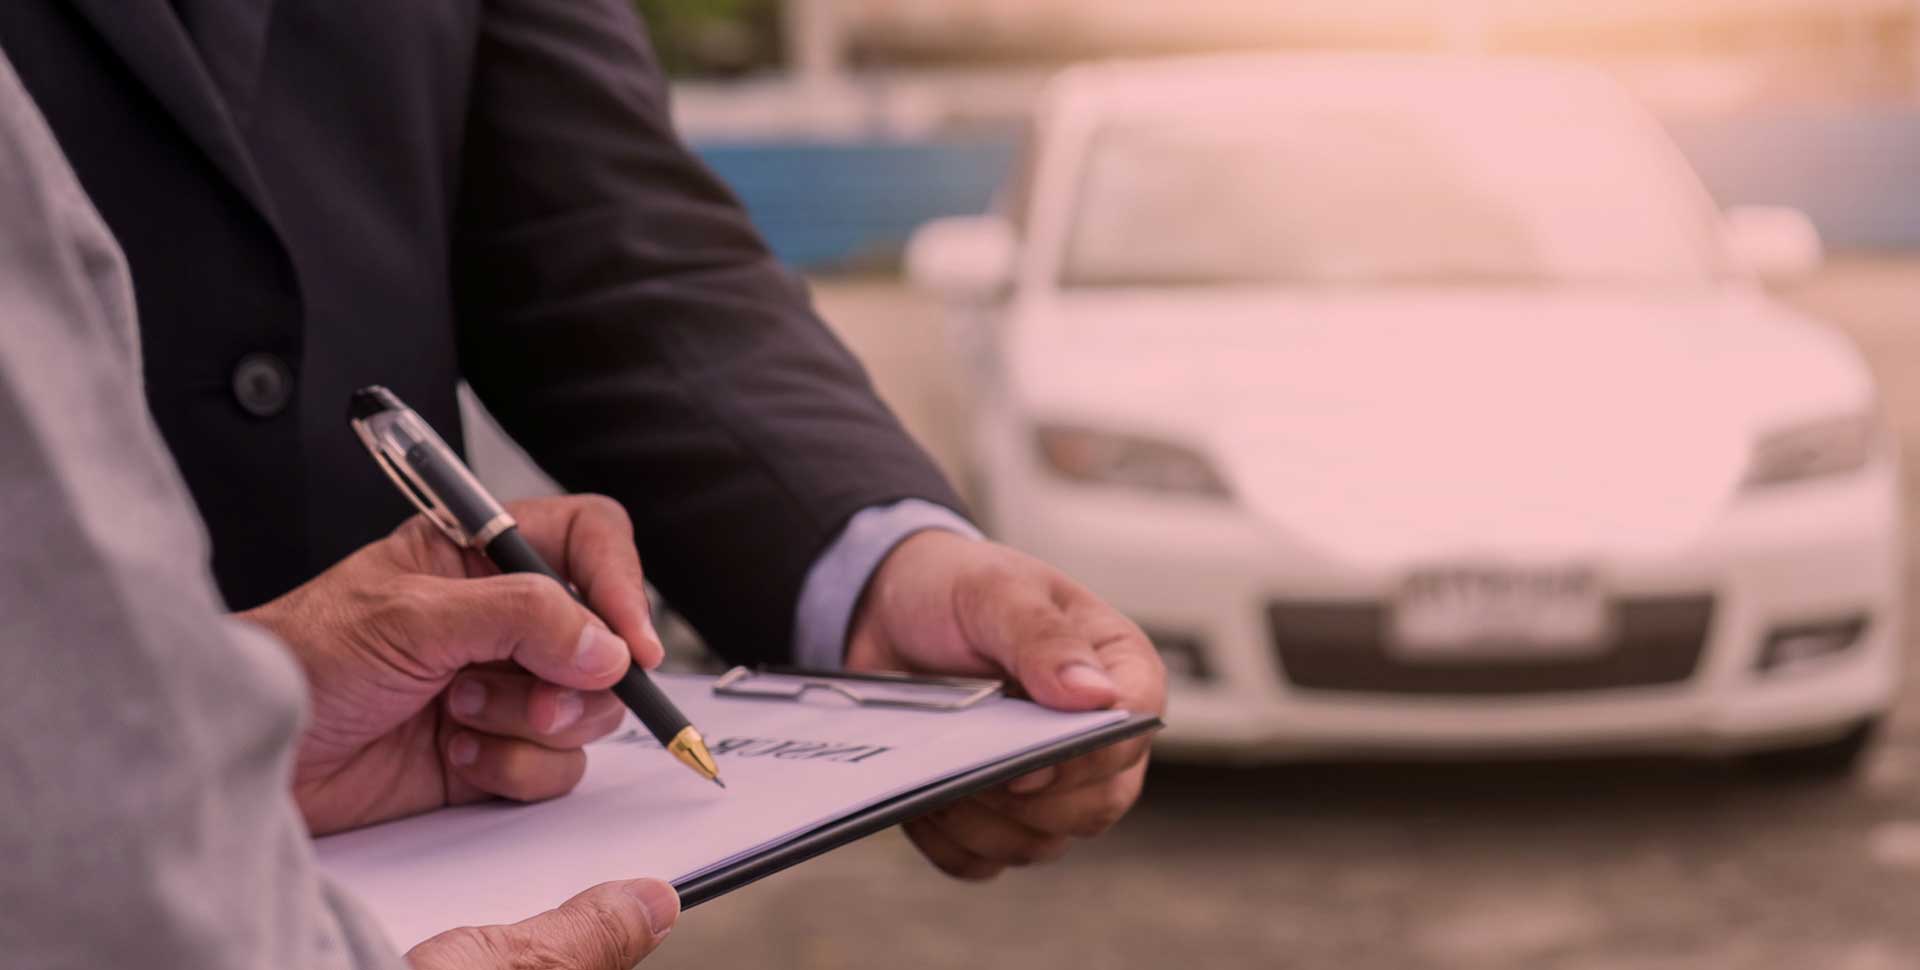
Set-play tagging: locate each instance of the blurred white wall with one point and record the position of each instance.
(1819, 49)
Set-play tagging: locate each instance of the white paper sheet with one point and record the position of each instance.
(789, 768)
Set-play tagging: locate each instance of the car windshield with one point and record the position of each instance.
(1378, 198)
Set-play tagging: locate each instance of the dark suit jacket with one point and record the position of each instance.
(409, 193)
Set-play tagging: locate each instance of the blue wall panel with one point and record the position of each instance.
(851, 204)
(1857, 173)
(825, 204)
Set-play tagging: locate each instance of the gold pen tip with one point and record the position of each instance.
(691, 750)
(722, 784)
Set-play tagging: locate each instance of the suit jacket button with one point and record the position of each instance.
(263, 384)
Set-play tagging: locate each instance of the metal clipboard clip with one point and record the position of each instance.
(864, 689)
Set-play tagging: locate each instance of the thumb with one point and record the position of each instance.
(610, 927)
(1022, 628)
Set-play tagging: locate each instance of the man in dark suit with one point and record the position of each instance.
(319, 194)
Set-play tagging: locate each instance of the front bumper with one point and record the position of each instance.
(1211, 575)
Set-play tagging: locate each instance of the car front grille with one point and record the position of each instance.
(1341, 646)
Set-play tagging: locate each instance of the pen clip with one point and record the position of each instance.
(417, 491)
(394, 435)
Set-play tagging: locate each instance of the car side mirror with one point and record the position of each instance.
(968, 259)
(1775, 243)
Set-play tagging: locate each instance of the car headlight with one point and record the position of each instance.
(1813, 449)
(1106, 458)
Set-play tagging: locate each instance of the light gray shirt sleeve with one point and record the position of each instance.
(833, 585)
(145, 739)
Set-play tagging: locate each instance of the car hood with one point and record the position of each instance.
(1411, 427)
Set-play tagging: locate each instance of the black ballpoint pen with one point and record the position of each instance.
(436, 480)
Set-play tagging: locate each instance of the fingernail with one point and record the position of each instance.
(661, 903)
(468, 698)
(463, 750)
(1032, 782)
(567, 709)
(598, 650)
(1081, 675)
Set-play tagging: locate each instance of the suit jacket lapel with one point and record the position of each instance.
(149, 37)
(231, 36)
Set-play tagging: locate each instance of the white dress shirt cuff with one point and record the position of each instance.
(836, 580)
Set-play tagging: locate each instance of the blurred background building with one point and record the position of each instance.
(845, 123)
(1731, 49)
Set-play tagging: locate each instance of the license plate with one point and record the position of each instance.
(1473, 612)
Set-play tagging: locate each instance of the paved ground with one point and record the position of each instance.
(1549, 867)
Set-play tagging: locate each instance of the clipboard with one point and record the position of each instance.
(902, 808)
(881, 689)
(811, 767)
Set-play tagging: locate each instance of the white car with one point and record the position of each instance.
(1420, 405)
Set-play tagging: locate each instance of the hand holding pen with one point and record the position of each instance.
(432, 680)
(439, 483)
